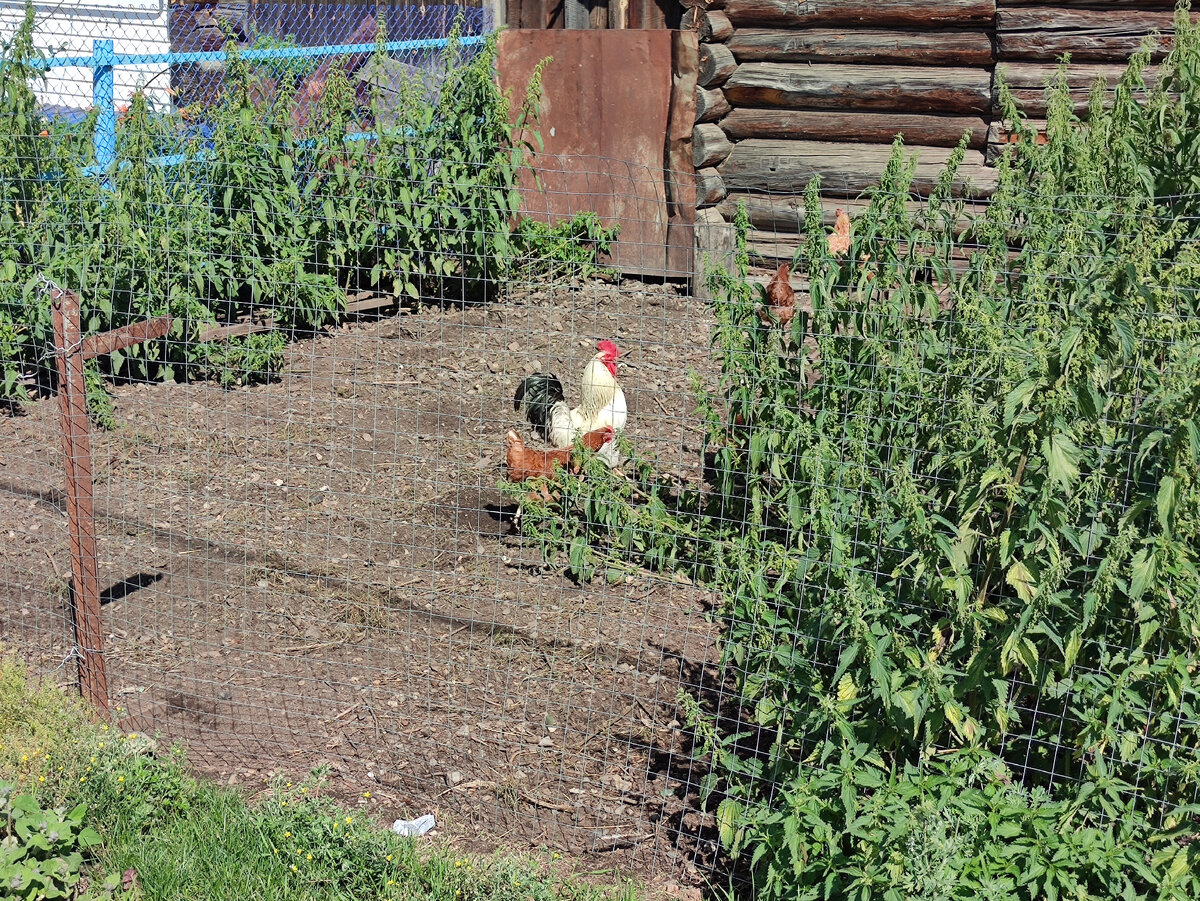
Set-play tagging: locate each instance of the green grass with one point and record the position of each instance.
(190, 839)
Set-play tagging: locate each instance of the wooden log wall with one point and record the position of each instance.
(789, 89)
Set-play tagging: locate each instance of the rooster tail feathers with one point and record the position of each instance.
(538, 393)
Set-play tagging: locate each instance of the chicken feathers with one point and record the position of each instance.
(602, 402)
(541, 394)
(527, 463)
(780, 299)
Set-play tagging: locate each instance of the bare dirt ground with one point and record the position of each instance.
(317, 572)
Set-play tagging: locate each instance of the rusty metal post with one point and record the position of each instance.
(72, 404)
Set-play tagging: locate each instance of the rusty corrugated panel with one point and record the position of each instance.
(606, 112)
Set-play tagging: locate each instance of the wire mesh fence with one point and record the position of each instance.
(929, 495)
(172, 53)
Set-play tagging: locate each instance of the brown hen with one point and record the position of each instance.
(529, 463)
(781, 298)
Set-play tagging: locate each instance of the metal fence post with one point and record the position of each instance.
(105, 139)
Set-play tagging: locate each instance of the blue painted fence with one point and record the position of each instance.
(103, 60)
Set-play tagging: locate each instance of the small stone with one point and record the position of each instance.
(454, 777)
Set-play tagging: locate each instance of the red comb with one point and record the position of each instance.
(608, 347)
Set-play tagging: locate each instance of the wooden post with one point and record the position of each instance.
(577, 14)
(70, 352)
(72, 406)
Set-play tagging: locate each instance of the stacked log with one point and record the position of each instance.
(804, 88)
(791, 89)
(710, 143)
(1099, 35)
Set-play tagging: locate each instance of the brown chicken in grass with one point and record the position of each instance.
(529, 463)
(780, 299)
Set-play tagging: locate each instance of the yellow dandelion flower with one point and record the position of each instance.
(304, 790)
(83, 778)
(41, 778)
(104, 728)
(389, 857)
(366, 794)
(349, 819)
(93, 760)
(458, 863)
(120, 778)
(293, 868)
(24, 757)
(391, 882)
(287, 835)
(132, 735)
(308, 856)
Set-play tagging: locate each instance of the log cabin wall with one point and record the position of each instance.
(789, 89)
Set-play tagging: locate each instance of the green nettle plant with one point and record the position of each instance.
(41, 851)
(261, 219)
(954, 519)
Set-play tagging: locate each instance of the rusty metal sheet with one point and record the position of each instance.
(120, 338)
(605, 123)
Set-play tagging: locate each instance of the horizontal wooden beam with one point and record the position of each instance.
(716, 64)
(1046, 33)
(922, 13)
(126, 336)
(710, 188)
(865, 128)
(710, 105)
(785, 214)
(845, 170)
(1094, 4)
(909, 89)
(843, 45)
(1027, 82)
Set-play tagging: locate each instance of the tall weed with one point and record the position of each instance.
(262, 219)
(954, 521)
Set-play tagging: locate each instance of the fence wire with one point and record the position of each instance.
(309, 556)
(158, 28)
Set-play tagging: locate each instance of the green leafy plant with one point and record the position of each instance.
(256, 217)
(570, 247)
(99, 403)
(41, 851)
(953, 522)
(242, 361)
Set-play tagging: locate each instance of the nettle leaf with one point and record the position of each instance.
(1167, 496)
(1017, 398)
(1021, 579)
(1071, 651)
(1062, 459)
(729, 821)
(1143, 570)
